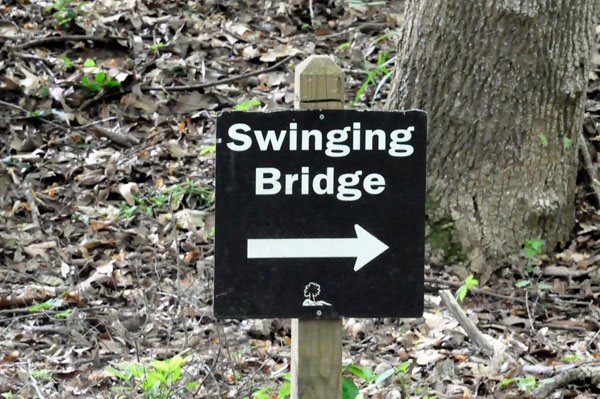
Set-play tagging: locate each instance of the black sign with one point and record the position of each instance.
(320, 214)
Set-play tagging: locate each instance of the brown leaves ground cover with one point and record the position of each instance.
(107, 110)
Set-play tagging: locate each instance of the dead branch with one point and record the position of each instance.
(117, 137)
(584, 374)
(66, 38)
(466, 323)
(477, 291)
(218, 82)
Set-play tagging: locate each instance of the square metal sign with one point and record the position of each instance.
(320, 214)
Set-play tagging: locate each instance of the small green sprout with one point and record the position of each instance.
(247, 105)
(469, 284)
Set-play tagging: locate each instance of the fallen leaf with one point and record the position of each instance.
(127, 190)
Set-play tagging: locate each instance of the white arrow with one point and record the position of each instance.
(365, 247)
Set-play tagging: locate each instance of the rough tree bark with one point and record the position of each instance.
(504, 84)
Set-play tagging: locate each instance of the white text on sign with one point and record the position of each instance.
(334, 143)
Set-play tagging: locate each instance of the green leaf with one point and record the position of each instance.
(569, 358)
(522, 283)
(385, 375)
(349, 389)
(262, 393)
(403, 367)
(343, 46)
(116, 373)
(65, 313)
(155, 46)
(461, 293)
(89, 63)
(544, 139)
(135, 369)
(507, 381)
(471, 282)
(363, 372)
(526, 382)
(285, 390)
(100, 77)
(160, 365)
(529, 269)
(246, 106)
(84, 80)
(192, 385)
(207, 149)
(122, 388)
(566, 142)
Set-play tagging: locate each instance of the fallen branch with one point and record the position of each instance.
(584, 374)
(66, 38)
(119, 138)
(466, 323)
(477, 291)
(218, 82)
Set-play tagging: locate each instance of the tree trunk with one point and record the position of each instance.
(504, 84)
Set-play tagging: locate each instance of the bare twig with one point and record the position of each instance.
(588, 166)
(65, 38)
(218, 82)
(589, 375)
(33, 381)
(35, 212)
(466, 323)
(210, 371)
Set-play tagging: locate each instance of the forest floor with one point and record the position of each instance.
(107, 114)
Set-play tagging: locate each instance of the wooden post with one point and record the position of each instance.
(317, 344)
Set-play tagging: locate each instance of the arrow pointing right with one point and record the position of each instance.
(364, 247)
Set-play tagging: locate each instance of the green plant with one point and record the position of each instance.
(382, 63)
(470, 283)
(423, 390)
(268, 392)
(126, 211)
(50, 303)
(208, 149)
(67, 63)
(64, 13)
(343, 45)
(101, 81)
(566, 142)
(350, 390)
(44, 374)
(246, 105)
(156, 45)
(571, 358)
(531, 249)
(159, 199)
(525, 383)
(544, 139)
(157, 379)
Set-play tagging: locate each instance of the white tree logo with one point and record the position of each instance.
(311, 292)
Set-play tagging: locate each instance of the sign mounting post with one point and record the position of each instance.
(317, 344)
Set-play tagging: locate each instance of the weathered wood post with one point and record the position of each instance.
(317, 344)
